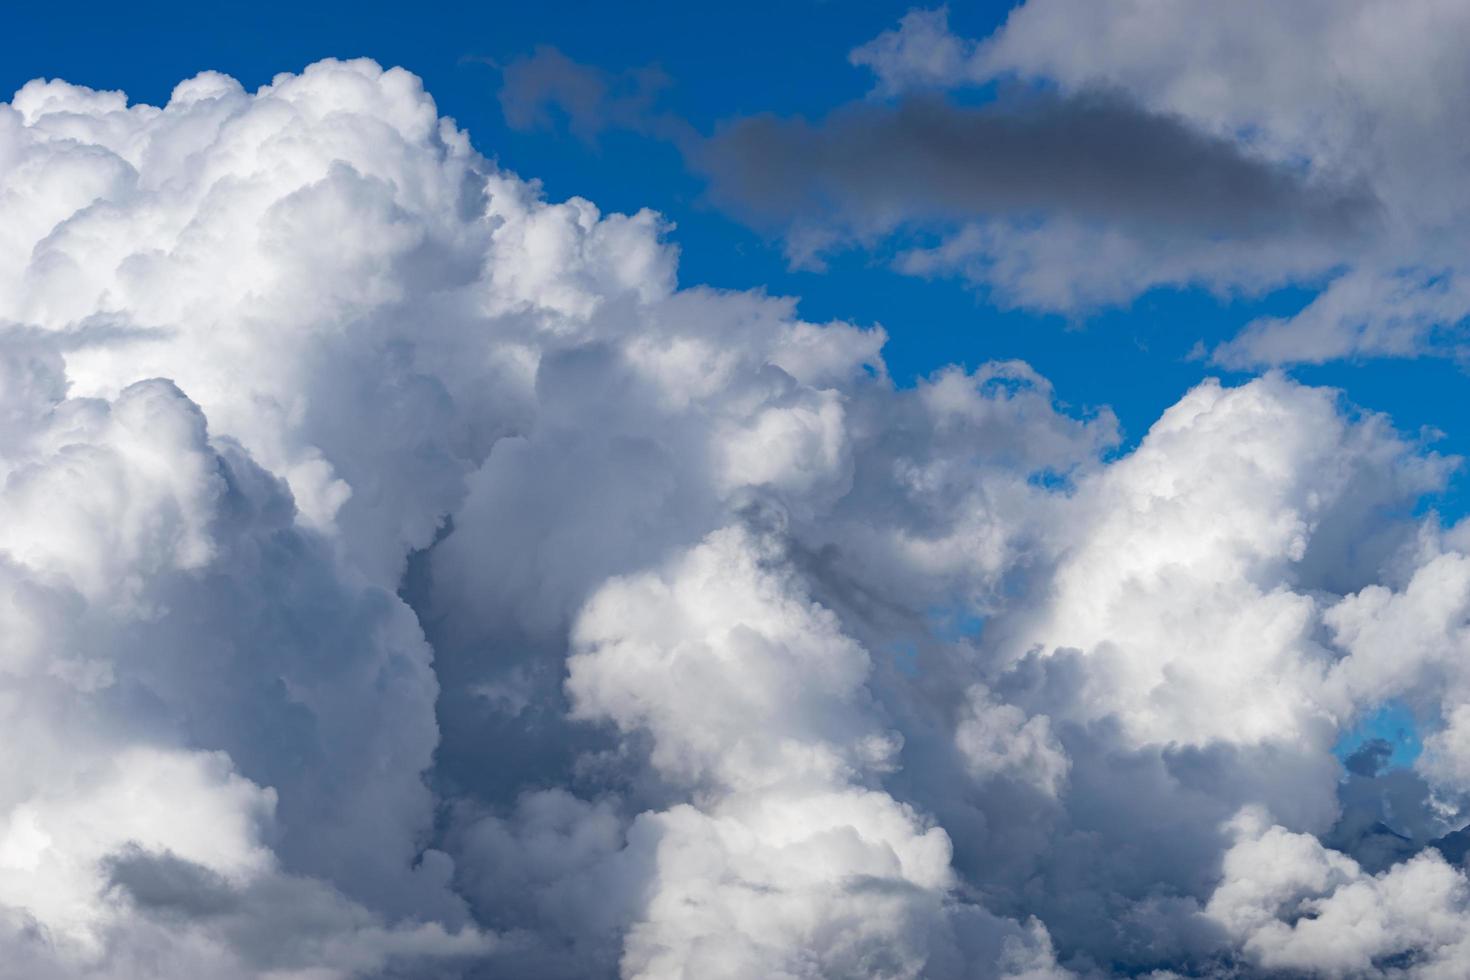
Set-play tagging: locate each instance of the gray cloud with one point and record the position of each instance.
(1057, 200)
(1097, 156)
(591, 99)
(168, 883)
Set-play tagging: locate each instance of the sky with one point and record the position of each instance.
(789, 59)
(804, 490)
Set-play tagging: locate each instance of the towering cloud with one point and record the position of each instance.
(402, 574)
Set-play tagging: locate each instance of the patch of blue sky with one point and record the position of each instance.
(954, 623)
(1392, 723)
(948, 624)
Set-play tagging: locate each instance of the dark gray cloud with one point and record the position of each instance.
(168, 883)
(591, 99)
(871, 168)
(1097, 156)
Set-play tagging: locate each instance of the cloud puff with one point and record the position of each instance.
(402, 574)
(1297, 906)
(593, 100)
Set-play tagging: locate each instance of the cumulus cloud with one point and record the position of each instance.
(182, 661)
(1298, 906)
(998, 739)
(403, 575)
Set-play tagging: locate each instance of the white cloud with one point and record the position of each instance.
(998, 739)
(920, 52)
(1297, 906)
(787, 866)
(1186, 569)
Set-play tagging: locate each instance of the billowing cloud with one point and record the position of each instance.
(1297, 906)
(182, 662)
(401, 574)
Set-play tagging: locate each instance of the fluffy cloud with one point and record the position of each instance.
(472, 600)
(1194, 573)
(790, 866)
(185, 667)
(1297, 906)
(998, 739)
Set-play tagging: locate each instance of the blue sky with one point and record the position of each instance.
(723, 61)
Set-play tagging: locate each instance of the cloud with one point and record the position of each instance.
(997, 739)
(1359, 93)
(1298, 906)
(164, 698)
(752, 692)
(873, 168)
(593, 100)
(1028, 190)
(401, 574)
(921, 53)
